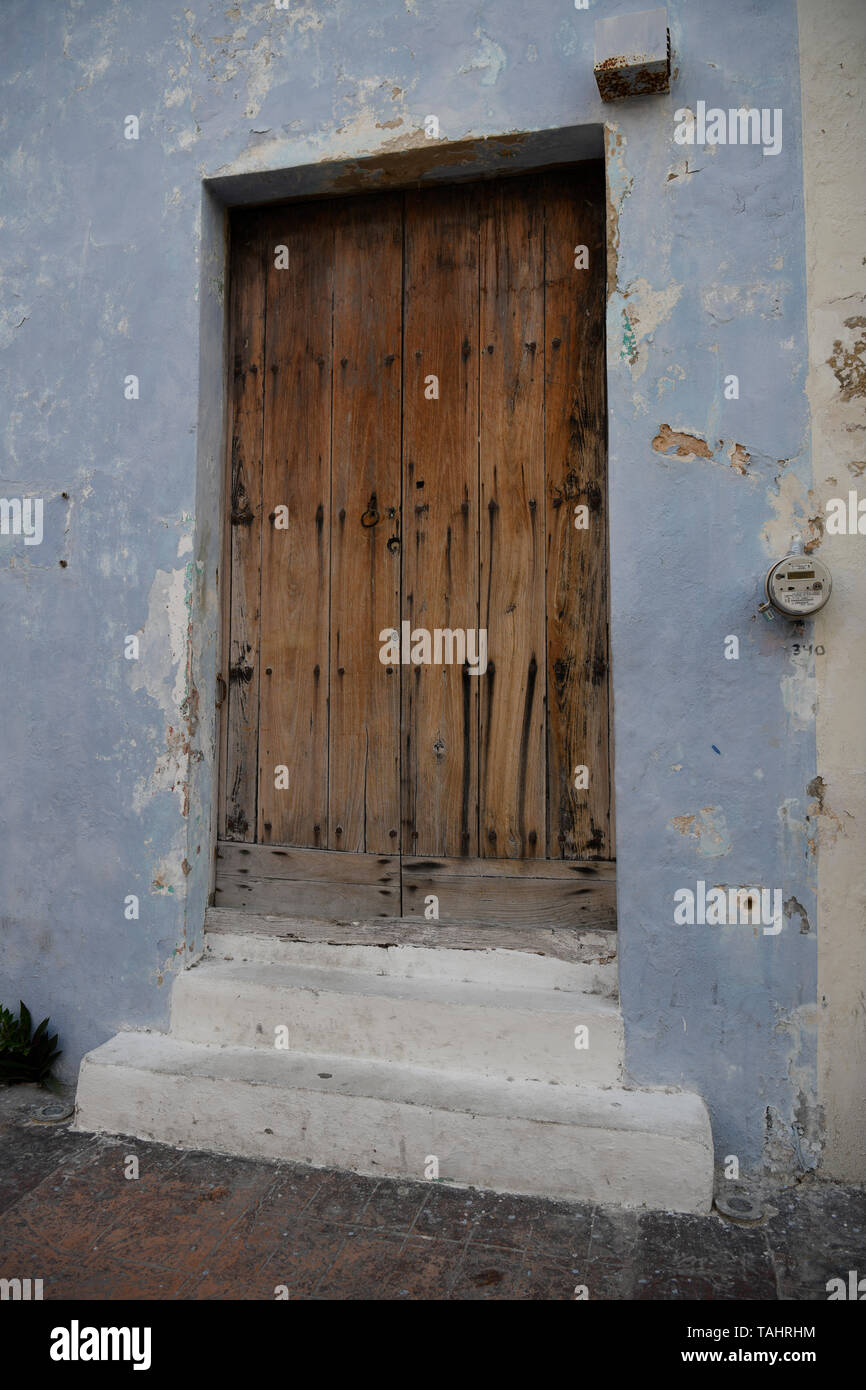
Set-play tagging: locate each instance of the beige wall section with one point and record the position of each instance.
(832, 69)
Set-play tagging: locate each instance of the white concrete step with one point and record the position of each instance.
(618, 1146)
(515, 1032)
(595, 973)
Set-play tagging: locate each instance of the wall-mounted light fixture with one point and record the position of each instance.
(633, 55)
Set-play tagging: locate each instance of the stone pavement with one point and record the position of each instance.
(199, 1226)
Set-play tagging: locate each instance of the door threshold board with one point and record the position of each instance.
(564, 943)
(338, 886)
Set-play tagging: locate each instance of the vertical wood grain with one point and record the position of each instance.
(440, 498)
(575, 447)
(512, 575)
(244, 526)
(296, 561)
(365, 547)
(454, 512)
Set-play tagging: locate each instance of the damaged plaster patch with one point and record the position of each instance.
(826, 825)
(739, 459)
(794, 908)
(12, 317)
(724, 303)
(793, 835)
(162, 672)
(792, 504)
(489, 60)
(169, 878)
(170, 965)
(360, 128)
(645, 310)
(684, 446)
(848, 359)
(236, 56)
(688, 446)
(682, 170)
(674, 374)
(184, 544)
(708, 827)
(618, 183)
(795, 1142)
(799, 693)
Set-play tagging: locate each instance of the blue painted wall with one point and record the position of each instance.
(113, 263)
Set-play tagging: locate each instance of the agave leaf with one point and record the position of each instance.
(25, 1055)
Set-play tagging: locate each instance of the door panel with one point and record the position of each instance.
(512, 754)
(364, 753)
(418, 407)
(511, 892)
(440, 522)
(575, 462)
(295, 559)
(307, 882)
(240, 760)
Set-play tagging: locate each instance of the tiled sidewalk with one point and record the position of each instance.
(196, 1226)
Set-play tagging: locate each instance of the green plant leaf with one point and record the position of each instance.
(24, 1055)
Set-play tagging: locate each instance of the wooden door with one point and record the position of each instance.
(417, 714)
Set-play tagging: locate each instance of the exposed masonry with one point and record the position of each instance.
(685, 446)
(848, 359)
(679, 444)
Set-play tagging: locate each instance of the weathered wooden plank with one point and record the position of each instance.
(302, 897)
(241, 575)
(364, 756)
(563, 871)
(512, 579)
(440, 528)
(327, 866)
(575, 446)
(572, 943)
(523, 901)
(296, 559)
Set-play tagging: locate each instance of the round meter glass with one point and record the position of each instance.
(798, 585)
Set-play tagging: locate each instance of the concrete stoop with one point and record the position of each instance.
(378, 1059)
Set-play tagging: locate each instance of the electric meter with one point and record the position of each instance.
(798, 585)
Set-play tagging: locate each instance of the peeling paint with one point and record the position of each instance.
(724, 303)
(685, 446)
(489, 60)
(825, 824)
(848, 359)
(708, 827)
(794, 1141)
(794, 908)
(739, 458)
(798, 691)
(645, 311)
(792, 503)
(619, 186)
(162, 673)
